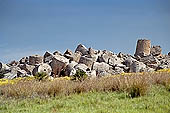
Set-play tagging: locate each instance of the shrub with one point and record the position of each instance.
(80, 75)
(2, 75)
(41, 75)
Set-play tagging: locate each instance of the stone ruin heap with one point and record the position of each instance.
(95, 63)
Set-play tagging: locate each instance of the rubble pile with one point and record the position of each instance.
(96, 63)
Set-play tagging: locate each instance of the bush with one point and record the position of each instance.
(41, 75)
(80, 75)
(2, 75)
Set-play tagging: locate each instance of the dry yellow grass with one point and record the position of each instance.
(135, 85)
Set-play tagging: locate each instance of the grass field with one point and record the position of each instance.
(156, 101)
(126, 93)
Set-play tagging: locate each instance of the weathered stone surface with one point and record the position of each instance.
(58, 64)
(99, 52)
(68, 51)
(134, 67)
(81, 48)
(101, 69)
(156, 50)
(92, 74)
(163, 67)
(73, 72)
(142, 67)
(13, 63)
(126, 69)
(21, 73)
(111, 71)
(14, 69)
(118, 70)
(73, 57)
(154, 66)
(164, 63)
(45, 68)
(143, 47)
(76, 56)
(10, 76)
(4, 68)
(102, 73)
(47, 57)
(148, 69)
(120, 55)
(24, 60)
(82, 67)
(105, 56)
(13, 73)
(100, 66)
(114, 60)
(150, 61)
(120, 65)
(27, 68)
(129, 61)
(57, 53)
(169, 53)
(92, 51)
(137, 67)
(70, 57)
(69, 70)
(87, 61)
(94, 57)
(16, 72)
(35, 60)
(109, 53)
(93, 54)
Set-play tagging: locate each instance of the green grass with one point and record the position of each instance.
(156, 101)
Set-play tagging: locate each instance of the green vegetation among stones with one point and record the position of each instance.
(80, 75)
(41, 75)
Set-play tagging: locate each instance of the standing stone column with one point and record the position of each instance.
(143, 47)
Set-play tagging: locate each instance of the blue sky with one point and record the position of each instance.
(34, 26)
